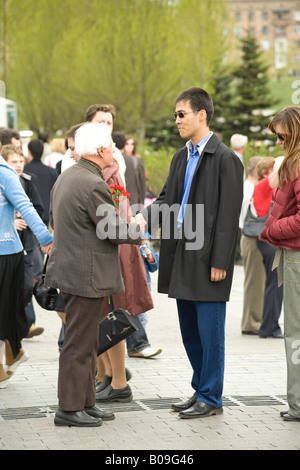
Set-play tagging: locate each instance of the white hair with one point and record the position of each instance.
(91, 136)
(238, 141)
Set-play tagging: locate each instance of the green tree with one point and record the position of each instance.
(137, 54)
(223, 98)
(253, 96)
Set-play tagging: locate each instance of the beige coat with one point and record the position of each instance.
(80, 262)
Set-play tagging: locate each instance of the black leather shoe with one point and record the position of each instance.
(75, 418)
(288, 417)
(200, 410)
(109, 394)
(184, 405)
(107, 381)
(97, 413)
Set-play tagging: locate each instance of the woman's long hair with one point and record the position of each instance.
(289, 121)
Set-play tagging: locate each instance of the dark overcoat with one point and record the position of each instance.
(185, 263)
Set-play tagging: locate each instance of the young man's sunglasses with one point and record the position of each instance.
(181, 114)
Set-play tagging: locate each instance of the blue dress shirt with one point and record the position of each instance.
(194, 156)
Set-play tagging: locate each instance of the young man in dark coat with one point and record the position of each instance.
(198, 210)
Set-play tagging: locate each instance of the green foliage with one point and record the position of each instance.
(157, 163)
(137, 54)
(262, 150)
(252, 92)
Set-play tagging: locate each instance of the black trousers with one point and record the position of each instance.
(13, 320)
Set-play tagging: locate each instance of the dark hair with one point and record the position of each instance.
(119, 139)
(198, 99)
(36, 148)
(6, 136)
(43, 136)
(105, 108)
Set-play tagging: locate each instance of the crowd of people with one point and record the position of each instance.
(49, 206)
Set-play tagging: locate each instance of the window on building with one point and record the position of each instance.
(265, 15)
(280, 30)
(297, 15)
(265, 30)
(251, 15)
(297, 29)
(238, 31)
(238, 16)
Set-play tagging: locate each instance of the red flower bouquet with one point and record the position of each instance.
(118, 194)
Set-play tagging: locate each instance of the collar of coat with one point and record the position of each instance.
(90, 165)
(210, 146)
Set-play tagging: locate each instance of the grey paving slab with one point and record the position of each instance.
(254, 393)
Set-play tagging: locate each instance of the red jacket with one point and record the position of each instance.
(282, 228)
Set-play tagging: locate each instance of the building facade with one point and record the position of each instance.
(276, 25)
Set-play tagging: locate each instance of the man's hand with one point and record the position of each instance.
(46, 249)
(217, 275)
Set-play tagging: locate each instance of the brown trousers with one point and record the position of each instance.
(77, 362)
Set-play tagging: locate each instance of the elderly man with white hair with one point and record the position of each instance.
(84, 265)
(238, 143)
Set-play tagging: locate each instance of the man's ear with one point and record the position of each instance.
(100, 151)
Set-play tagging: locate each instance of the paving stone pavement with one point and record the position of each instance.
(254, 394)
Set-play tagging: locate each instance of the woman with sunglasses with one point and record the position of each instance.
(282, 230)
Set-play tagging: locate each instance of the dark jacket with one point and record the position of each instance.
(282, 228)
(26, 236)
(135, 179)
(184, 272)
(45, 179)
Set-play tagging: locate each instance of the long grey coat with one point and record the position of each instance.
(218, 186)
(80, 262)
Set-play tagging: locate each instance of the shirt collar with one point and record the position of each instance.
(198, 147)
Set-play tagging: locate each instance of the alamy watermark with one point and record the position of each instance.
(296, 354)
(112, 227)
(296, 94)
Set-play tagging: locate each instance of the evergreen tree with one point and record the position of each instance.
(223, 99)
(253, 96)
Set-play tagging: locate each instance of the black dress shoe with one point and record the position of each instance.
(250, 332)
(107, 381)
(110, 394)
(200, 410)
(75, 418)
(184, 405)
(97, 413)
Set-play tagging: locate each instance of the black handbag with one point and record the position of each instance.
(45, 296)
(114, 327)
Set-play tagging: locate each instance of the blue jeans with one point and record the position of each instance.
(202, 327)
(138, 340)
